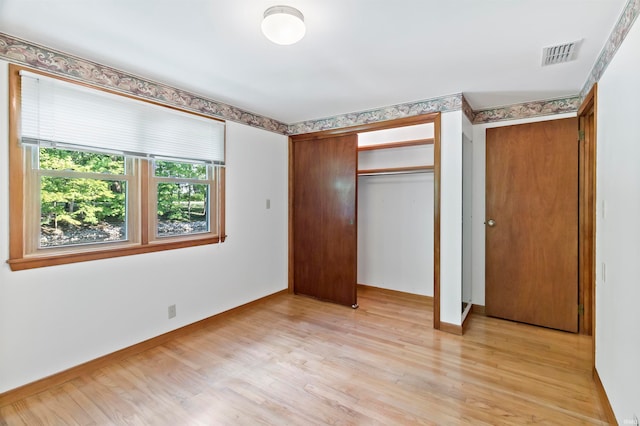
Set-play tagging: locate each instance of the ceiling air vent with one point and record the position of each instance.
(558, 54)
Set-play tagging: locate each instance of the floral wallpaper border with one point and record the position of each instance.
(528, 110)
(50, 60)
(30, 54)
(442, 104)
(467, 110)
(620, 31)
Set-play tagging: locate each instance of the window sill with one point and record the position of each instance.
(41, 261)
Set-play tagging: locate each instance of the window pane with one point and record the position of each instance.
(81, 211)
(79, 161)
(182, 209)
(180, 170)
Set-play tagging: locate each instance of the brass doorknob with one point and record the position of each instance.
(491, 223)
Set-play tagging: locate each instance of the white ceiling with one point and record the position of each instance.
(356, 54)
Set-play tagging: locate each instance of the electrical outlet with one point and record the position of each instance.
(268, 204)
(172, 311)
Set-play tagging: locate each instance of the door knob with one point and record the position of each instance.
(491, 223)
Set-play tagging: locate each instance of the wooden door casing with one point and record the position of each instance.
(587, 207)
(324, 218)
(532, 251)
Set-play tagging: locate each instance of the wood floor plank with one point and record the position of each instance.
(298, 361)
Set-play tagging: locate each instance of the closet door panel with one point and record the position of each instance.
(324, 218)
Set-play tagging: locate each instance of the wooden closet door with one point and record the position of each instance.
(532, 223)
(324, 218)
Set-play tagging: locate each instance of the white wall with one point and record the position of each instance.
(451, 217)
(467, 219)
(395, 232)
(57, 317)
(478, 199)
(467, 210)
(618, 230)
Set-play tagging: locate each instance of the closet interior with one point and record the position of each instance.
(395, 208)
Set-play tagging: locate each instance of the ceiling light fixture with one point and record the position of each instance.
(283, 25)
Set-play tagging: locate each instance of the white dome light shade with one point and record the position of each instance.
(283, 25)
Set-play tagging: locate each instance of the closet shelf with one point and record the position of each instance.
(396, 170)
(415, 142)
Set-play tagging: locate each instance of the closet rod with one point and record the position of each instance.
(396, 171)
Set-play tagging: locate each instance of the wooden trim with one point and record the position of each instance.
(589, 100)
(479, 310)
(396, 170)
(64, 258)
(16, 177)
(451, 328)
(466, 321)
(402, 144)
(395, 292)
(380, 125)
(56, 379)
(291, 227)
(355, 223)
(222, 207)
(143, 170)
(604, 399)
(436, 223)
(587, 116)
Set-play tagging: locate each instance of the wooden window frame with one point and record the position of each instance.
(21, 257)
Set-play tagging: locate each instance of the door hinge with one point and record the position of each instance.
(581, 135)
(580, 310)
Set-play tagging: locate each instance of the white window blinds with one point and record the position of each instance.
(56, 112)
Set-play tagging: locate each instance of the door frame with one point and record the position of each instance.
(587, 121)
(380, 125)
(587, 213)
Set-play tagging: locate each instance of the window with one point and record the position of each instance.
(80, 198)
(95, 174)
(184, 194)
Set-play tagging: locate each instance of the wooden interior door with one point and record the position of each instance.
(324, 227)
(532, 223)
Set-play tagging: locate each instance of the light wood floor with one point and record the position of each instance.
(297, 361)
